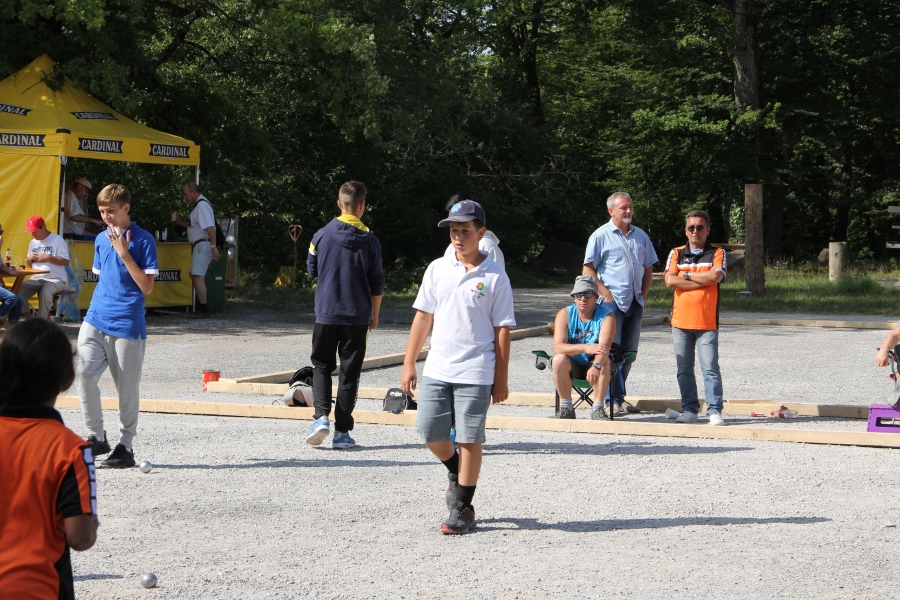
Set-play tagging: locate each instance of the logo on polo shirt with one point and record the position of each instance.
(169, 151)
(21, 140)
(479, 290)
(14, 110)
(100, 145)
(95, 116)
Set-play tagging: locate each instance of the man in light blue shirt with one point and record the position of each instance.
(621, 257)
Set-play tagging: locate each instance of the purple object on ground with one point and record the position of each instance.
(884, 419)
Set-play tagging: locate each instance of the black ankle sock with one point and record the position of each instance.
(202, 307)
(465, 494)
(452, 463)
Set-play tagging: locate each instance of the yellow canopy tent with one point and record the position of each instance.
(40, 127)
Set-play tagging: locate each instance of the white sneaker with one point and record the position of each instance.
(716, 419)
(687, 417)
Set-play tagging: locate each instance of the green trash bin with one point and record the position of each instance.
(215, 282)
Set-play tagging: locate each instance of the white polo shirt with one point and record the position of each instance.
(466, 308)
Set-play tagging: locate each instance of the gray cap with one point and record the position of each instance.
(585, 283)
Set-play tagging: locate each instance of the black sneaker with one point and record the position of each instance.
(452, 489)
(119, 459)
(460, 521)
(566, 413)
(98, 447)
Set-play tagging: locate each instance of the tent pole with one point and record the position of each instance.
(197, 174)
(62, 194)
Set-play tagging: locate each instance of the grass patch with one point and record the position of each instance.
(805, 290)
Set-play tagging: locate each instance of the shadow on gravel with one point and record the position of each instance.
(93, 576)
(293, 463)
(613, 448)
(614, 524)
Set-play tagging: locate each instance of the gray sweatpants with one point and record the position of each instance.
(44, 288)
(125, 359)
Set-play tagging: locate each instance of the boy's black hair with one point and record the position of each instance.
(36, 363)
(459, 198)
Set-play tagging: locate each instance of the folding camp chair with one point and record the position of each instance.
(581, 387)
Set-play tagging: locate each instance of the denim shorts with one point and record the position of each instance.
(441, 405)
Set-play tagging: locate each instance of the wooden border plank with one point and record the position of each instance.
(732, 407)
(619, 427)
(808, 323)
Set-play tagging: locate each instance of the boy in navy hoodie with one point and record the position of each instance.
(346, 258)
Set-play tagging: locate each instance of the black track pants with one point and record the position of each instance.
(349, 343)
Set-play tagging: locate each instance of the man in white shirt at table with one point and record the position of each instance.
(47, 252)
(76, 222)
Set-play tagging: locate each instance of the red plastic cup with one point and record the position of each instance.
(209, 376)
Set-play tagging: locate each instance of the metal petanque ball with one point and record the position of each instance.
(145, 466)
(148, 580)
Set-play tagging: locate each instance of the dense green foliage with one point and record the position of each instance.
(541, 108)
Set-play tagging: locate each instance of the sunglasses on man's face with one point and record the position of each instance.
(691, 228)
(580, 295)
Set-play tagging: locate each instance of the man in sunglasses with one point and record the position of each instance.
(621, 257)
(695, 272)
(581, 342)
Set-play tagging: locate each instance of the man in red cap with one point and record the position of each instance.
(47, 252)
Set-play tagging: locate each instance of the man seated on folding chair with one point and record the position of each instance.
(581, 344)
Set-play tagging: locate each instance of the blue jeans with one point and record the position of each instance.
(628, 334)
(707, 349)
(11, 305)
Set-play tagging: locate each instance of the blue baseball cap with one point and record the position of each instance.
(467, 210)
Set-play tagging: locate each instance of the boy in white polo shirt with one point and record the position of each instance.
(466, 296)
(114, 331)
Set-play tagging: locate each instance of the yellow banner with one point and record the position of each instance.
(29, 185)
(173, 284)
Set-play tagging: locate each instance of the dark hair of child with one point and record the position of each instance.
(36, 363)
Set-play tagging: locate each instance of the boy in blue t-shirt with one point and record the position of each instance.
(114, 332)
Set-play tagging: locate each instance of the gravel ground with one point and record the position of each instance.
(783, 364)
(242, 508)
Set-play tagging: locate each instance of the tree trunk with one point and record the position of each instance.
(746, 14)
(746, 71)
(753, 238)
